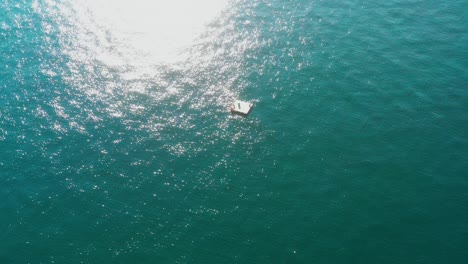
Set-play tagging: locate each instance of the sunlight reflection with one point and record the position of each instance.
(139, 57)
(151, 66)
(158, 29)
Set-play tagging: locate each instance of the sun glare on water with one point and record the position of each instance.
(180, 52)
(161, 30)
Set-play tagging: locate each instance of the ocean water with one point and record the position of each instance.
(117, 146)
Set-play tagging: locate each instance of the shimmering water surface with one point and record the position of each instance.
(116, 144)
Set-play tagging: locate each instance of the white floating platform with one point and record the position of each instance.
(241, 107)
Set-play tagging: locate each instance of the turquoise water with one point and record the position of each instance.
(116, 145)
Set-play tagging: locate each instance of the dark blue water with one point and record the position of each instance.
(117, 146)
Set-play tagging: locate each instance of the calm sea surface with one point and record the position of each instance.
(116, 144)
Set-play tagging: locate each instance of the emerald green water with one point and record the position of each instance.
(117, 146)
